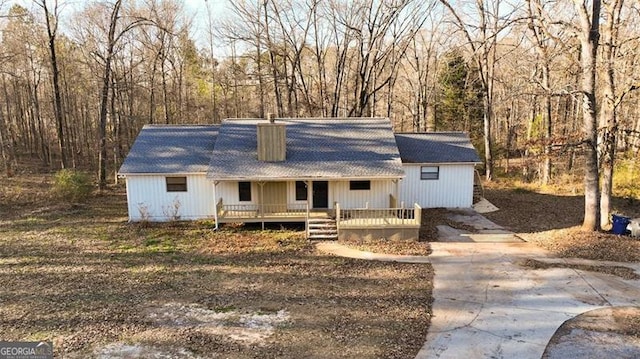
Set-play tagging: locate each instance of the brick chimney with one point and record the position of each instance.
(272, 140)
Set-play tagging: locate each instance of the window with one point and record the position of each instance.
(176, 184)
(360, 185)
(429, 172)
(244, 191)
(301, 191)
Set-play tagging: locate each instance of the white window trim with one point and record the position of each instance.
(167, 184)
(360, 189)
(250, 192)
(431, 175)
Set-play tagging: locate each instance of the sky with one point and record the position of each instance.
(195, 8)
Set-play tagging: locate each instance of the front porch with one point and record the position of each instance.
(291, 212)
(390, 223)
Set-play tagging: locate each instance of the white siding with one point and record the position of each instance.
(376, 197)
(228, 191)
(291, 193)
(453, 189)
(148, 194)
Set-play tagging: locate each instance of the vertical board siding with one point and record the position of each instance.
(148, 199)
(376, 197)
(228, 191)
(272, 142)
(291, 193)
(453, 188)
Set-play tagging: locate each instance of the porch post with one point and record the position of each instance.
(215, 204)
(261, 205)
(309, 194)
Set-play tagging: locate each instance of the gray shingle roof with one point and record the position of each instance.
(436, 147)
(171, 149)
(316, 148)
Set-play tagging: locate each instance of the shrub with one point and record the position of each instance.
(71, 186)
(626, 178)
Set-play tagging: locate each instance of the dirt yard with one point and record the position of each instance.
(82, 277)
(553, 221)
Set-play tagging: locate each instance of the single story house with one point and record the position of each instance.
(341, 176)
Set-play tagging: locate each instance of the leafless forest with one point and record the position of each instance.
(551, 83)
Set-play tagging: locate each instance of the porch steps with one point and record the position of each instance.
(322, 228)
(478, 193)
(478, 189)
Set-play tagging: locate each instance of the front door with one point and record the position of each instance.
(320, 194)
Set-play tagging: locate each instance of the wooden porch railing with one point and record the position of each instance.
(261, 210)
(379, 216)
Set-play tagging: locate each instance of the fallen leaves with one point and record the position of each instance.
(620, 271)
(574, 242)
(389, 246)
(553, 222)
(85, 279)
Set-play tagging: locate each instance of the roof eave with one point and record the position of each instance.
(443, 163)
(280, 179)
(125, 174)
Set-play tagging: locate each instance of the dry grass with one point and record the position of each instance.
(84, 278)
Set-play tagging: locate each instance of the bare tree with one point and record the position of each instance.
(113, 36)
(383, 32)
(482, 39)
(589, 36)
(541, 42)
(51, 20)
(608, 120)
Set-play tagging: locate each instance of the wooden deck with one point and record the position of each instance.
(403, 223)
(379, 217)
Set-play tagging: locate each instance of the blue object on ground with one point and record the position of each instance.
(620, 224)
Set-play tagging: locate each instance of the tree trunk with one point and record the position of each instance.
(55, 74)
(546, 169)
(104, 98)
(488, 143)
(589, 37)
(6, 142)
(608, 117)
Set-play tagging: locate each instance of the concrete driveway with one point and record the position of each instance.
(487, 305)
